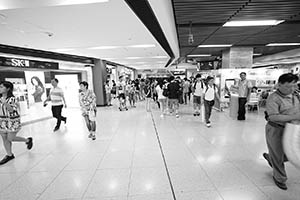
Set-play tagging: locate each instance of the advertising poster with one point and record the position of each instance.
(35, 82)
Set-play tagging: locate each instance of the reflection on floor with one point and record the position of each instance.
(126, 162)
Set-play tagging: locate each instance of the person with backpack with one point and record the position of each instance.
(198, 90)
(210, 94)
(173, 95)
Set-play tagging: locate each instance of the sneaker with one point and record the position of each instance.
(93, 137)
(29, 143)
(6, 159)
(55, 129)
(280, 185)
(208, 125)
(266, 156)
(90, 135)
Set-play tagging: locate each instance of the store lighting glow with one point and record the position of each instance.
(142, 46)
(253, 23)
(105, 47)
(257, 54)
(199, 55)
(214, 45)
(282, 44)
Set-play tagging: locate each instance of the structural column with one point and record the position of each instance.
(237, 57)
(99, 79)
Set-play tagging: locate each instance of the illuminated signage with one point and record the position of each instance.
(25, 63)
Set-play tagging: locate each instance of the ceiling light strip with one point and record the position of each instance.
(252, 23)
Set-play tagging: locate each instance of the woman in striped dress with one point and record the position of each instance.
(10, 122)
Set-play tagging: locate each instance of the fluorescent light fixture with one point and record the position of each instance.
(64, 49)
(199, 55)
(282, 44)
(159, 57)
(70, 2)
(133, 58)
(253, 23)
(142, 46)
(215, 45)
(105, 47)
(257, 54)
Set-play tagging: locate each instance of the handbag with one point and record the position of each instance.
(92, 114)
(291, 143)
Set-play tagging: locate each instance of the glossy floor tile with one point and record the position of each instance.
(139, 155)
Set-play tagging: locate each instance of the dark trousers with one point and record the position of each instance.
(276, 153)
(56, 112)
(208, 107)
(242, 109)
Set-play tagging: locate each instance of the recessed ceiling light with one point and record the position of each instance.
(253, 23)
(142, 46)
(283, 44)
(215, 45)
(199, 55)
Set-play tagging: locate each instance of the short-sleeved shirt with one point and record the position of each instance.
(210, 93)
(56, 96)
(279, 104)
(243, 87)
(199, 89)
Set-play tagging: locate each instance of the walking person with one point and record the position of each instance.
(108, 93)
(58, 101)
(147, 92)
(161, 98)
(132, 94)
(283, 106)
(10, 122)
(244, 89)
(211, 93)
(87, 101)
(186, 86)
(173, 95)
(198, 90)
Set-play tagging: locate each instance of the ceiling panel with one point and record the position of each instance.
(208, 16)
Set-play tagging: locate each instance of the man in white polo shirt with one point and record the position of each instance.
(210, 94)
(57, 99)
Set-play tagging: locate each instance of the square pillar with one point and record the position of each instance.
(237, 57)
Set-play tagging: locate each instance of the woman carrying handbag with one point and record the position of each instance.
(87, 100)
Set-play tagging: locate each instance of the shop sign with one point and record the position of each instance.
(24, 63)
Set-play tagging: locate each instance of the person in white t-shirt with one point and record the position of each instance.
(58, 101)
(210, 94)
(161, 98)
(198, 88)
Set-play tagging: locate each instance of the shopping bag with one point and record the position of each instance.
(202, 113)
(291, 143)
(92, 115)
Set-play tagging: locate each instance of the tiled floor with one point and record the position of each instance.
(127, 161)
